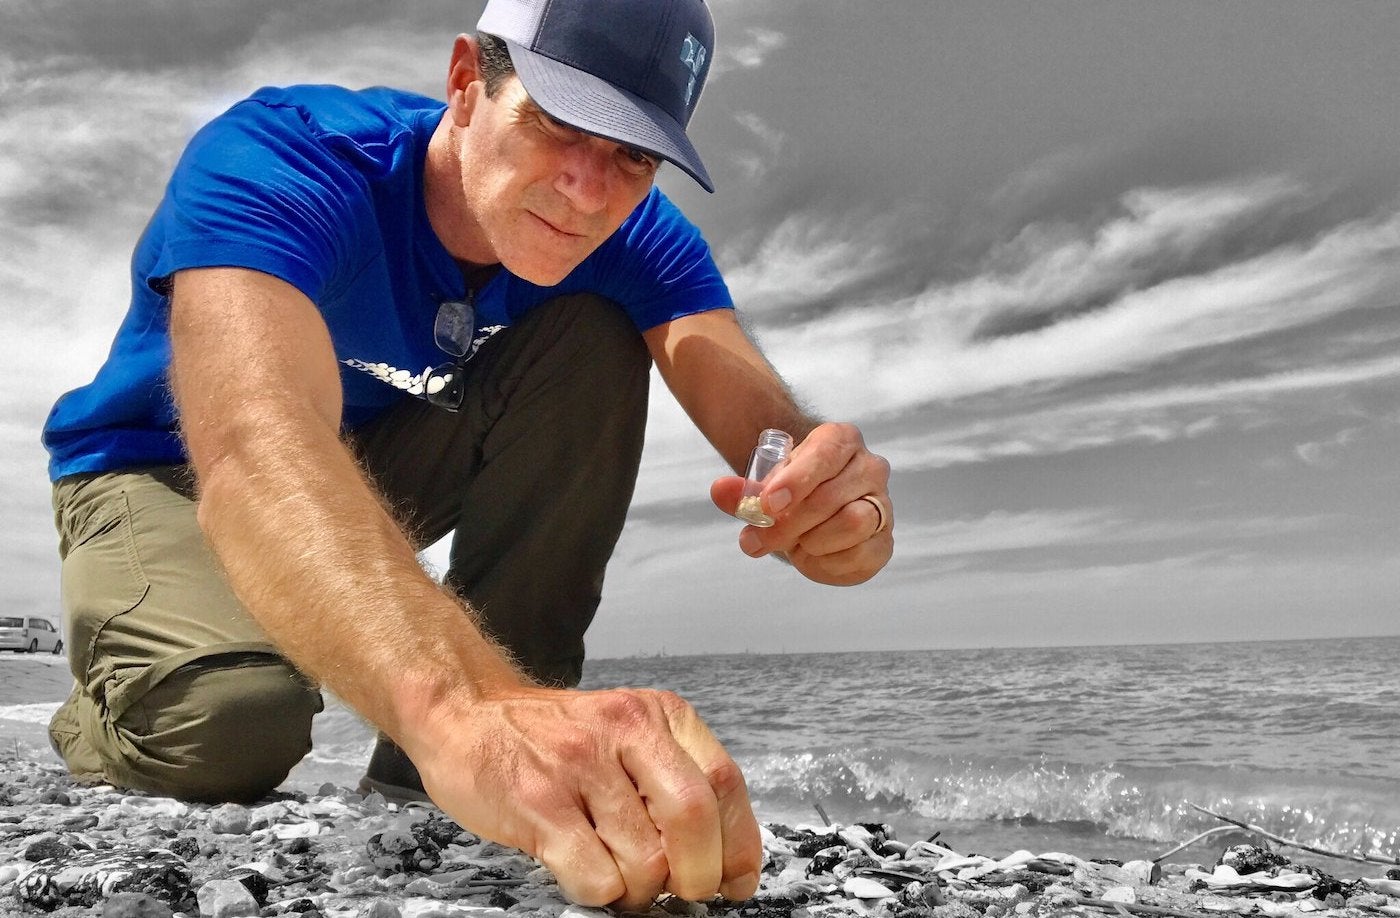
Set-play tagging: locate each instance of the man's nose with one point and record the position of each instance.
(586, 177)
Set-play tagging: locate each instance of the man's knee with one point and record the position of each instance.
(214, 731)
(590, 334)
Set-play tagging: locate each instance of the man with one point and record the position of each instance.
(241, 492)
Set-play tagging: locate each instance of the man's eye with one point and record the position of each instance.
(557, 128)
(638, 162)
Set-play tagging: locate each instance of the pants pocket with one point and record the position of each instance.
(101, 579)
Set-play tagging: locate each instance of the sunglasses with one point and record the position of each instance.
(454, 331)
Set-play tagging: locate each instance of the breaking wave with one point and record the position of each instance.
(1355, 815)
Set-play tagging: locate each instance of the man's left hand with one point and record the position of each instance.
(831, 506)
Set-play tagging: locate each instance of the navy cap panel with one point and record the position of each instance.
(601, 37)
(628, 70)
(597, 107)
(650, 49)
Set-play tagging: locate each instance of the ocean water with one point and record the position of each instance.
(1096, 751)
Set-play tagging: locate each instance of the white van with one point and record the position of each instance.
(29, 635)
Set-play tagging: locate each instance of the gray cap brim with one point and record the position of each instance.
(597, 107)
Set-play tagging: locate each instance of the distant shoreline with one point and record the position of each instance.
(666, 653)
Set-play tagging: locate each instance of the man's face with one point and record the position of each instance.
(542, 196)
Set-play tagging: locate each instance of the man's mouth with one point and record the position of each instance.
(554, 226)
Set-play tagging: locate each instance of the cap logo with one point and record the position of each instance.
(693, 56)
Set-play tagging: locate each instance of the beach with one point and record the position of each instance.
(31, 687)
(318, 847)
(70, 850)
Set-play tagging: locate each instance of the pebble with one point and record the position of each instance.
(226, 899)
(289, 831)
(153, 806)
(956, 910)
(79, 822)
(230, 819)
(46, 845)
(865, 888)
(134, 905)
(185, 847)
(381, 908)
(1140, 872)
(579, 911)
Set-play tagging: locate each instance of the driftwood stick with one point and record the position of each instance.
(1360, 858)
(1138, 908)
(1184, 845)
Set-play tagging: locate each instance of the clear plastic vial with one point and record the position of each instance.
(772, 451)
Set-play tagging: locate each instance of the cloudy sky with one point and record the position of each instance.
(1115, 287)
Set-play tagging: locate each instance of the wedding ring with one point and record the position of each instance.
(879, 506)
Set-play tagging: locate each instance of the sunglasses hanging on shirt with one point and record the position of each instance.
(454, 332)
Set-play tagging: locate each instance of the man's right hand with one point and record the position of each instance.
(622, 793)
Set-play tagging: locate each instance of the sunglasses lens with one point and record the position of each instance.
(454, 327)
(445, 386)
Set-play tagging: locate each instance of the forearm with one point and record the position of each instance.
(725, 385)
(754, 400)
(306, 544)
(329, 575)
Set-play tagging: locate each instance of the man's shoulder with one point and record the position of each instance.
(306, 130)
(656, 225)
(376, 113)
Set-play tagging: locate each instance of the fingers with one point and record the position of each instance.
(679, 819)
(683, 807)
(845, 568)
(829, 470)
(818, 500)
(622, 793)
(624, 825)
(741, 848)
(831, 453)
(725, 492)
(852, 525)
(586, 870)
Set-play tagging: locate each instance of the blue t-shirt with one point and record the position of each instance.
(322, 187)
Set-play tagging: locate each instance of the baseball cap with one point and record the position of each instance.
(627, 70)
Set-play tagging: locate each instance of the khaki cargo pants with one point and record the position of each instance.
(178, 691)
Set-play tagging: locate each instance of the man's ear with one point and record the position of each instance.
(464, 85)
